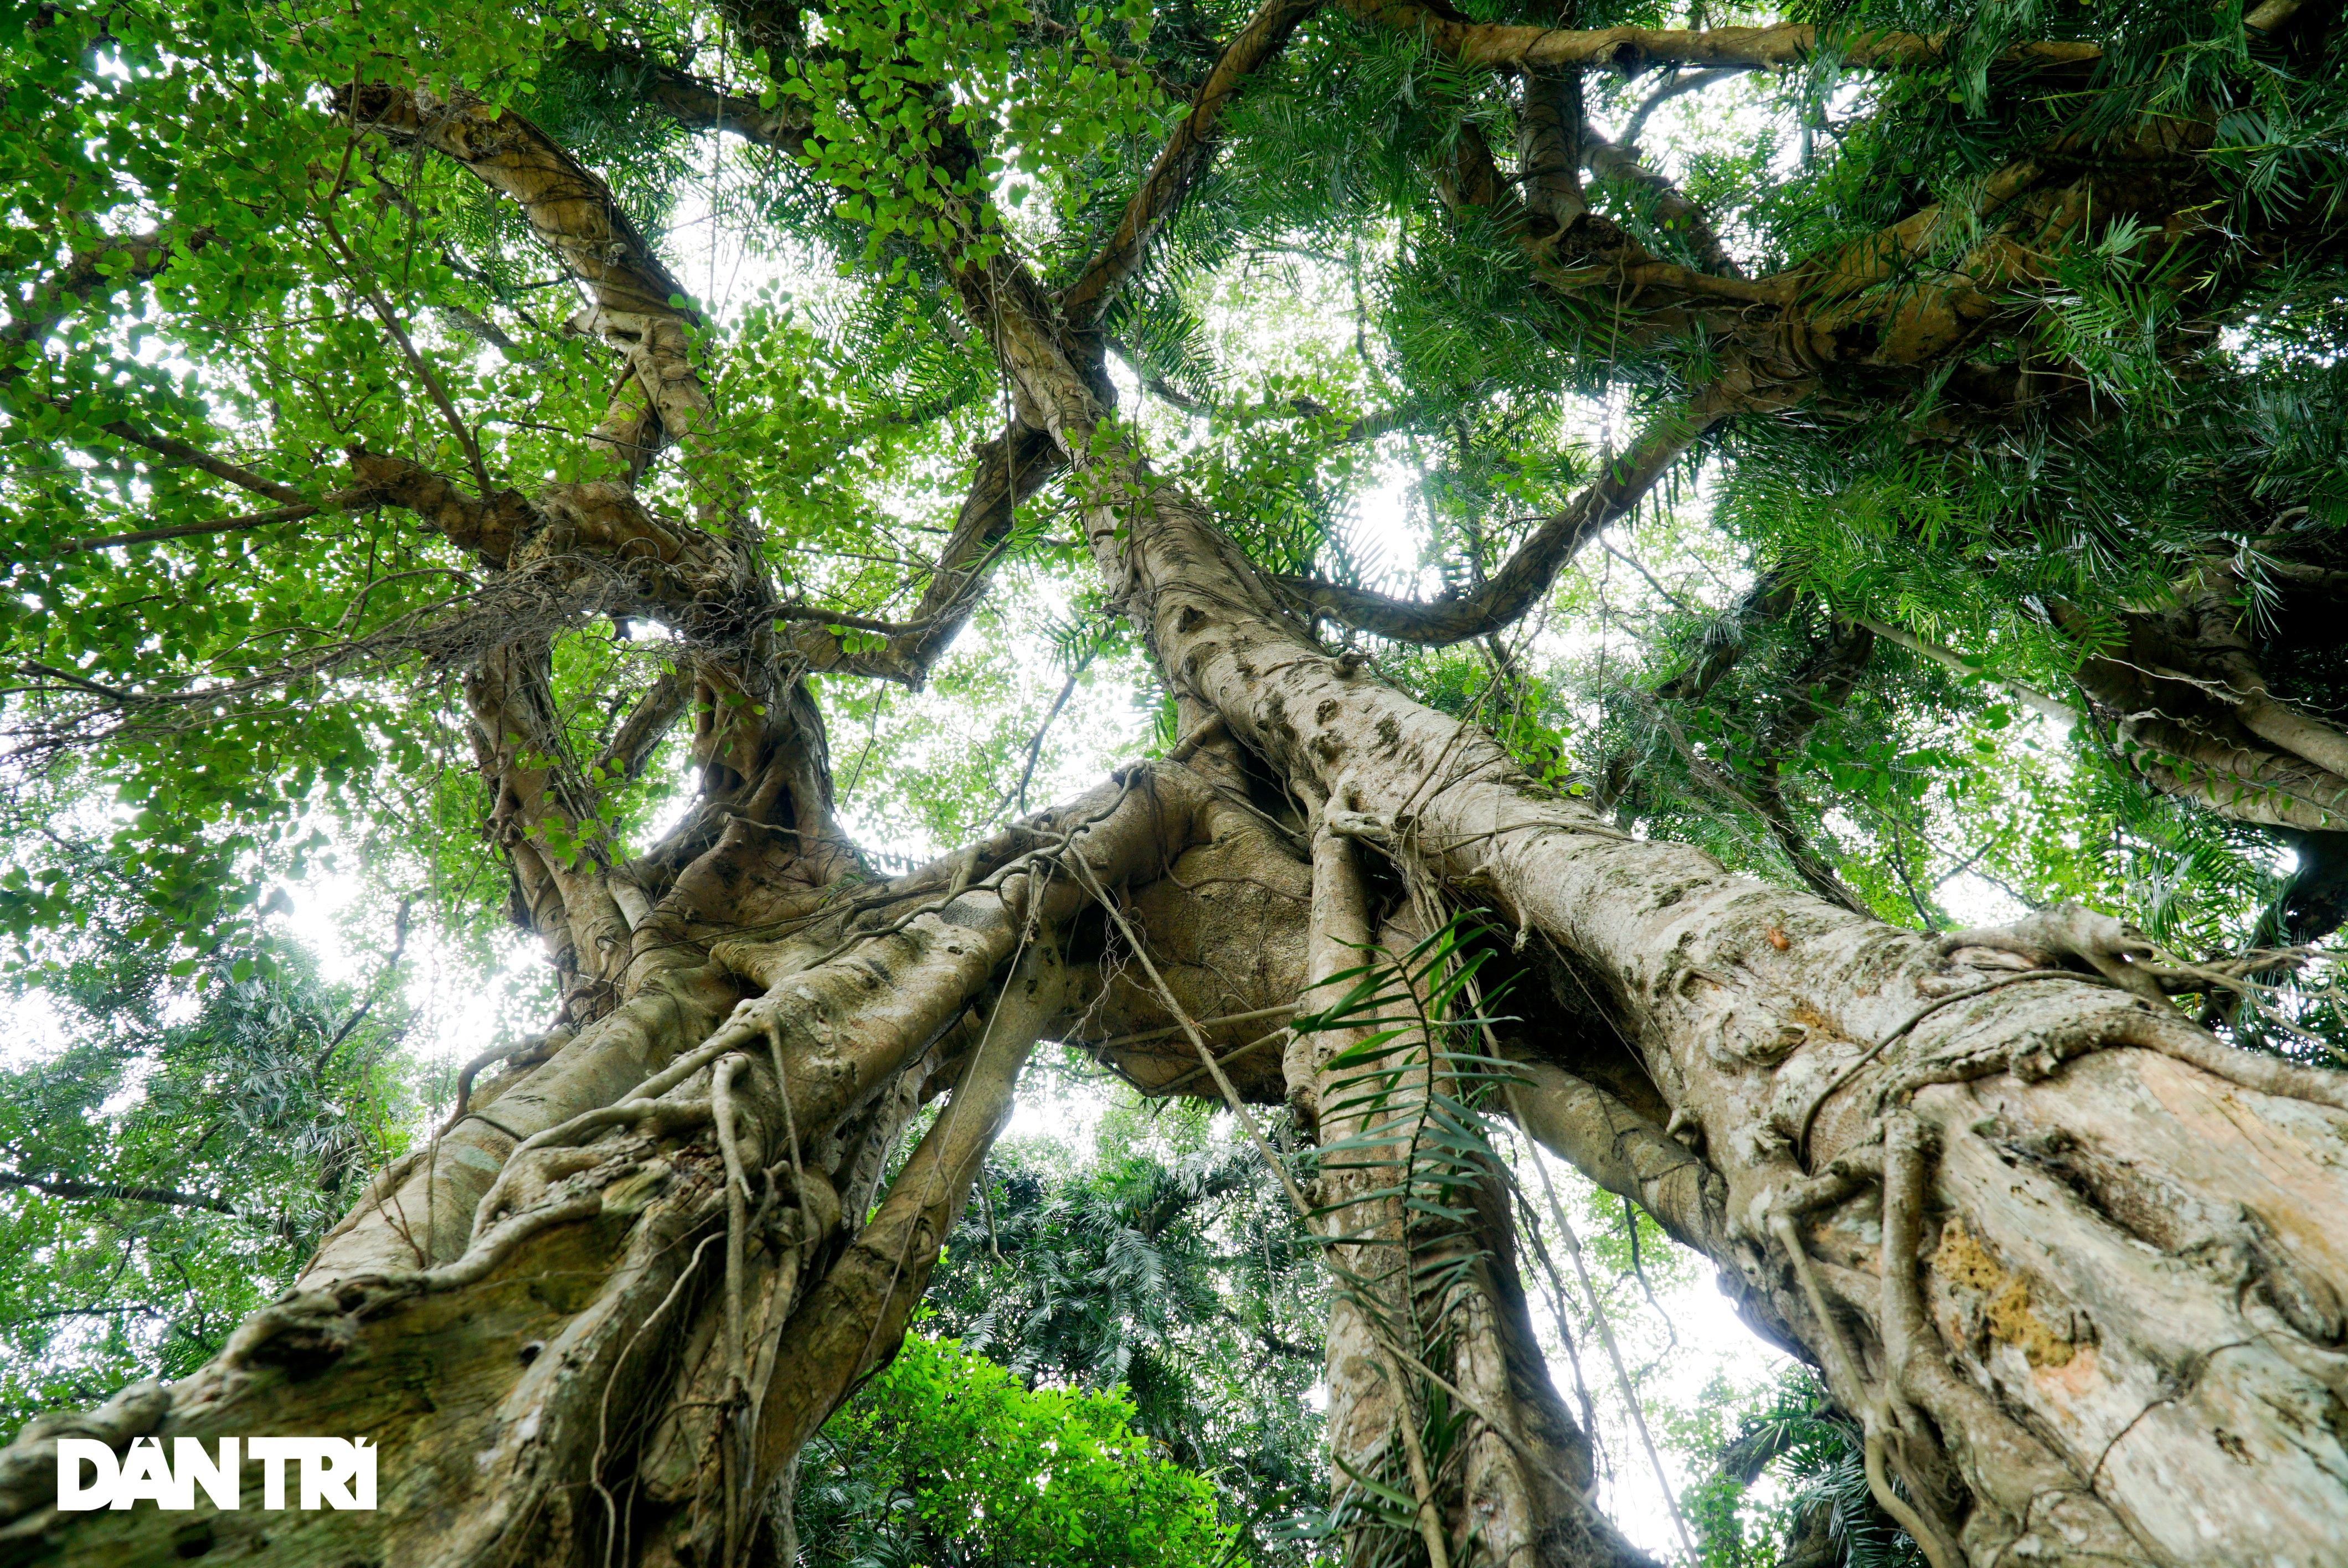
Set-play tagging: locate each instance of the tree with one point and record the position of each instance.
(172, 1172)
(1170, 1268)
(1945, 288)
(977, 1469)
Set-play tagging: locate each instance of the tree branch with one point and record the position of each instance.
(179, 454)
(1823, 683)
(647, 722)
(117, 260)
(1674, 212)
(702, 104)
(337, 501)
(1548, 146)
(1009, 469)
(1180, 161)
(1633, 49)
(2049, 708)
(57, 1187)
(1694, 81)
(574, 213)
(1528, 574)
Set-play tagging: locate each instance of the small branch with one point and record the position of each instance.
(698, 104)
(375, 992)
(858, 622)
(1035, 741)
(57, 1187)
(1173, 87)
(1674, 214)
(335, 501)
(138, 257)
(390, 320)
(1675, 601)
(1181, 161)
(1526, 574)
(1694, 81)
(2047, 707)
(184, 455)
(1820, 686)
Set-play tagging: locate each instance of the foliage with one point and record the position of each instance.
(944, 1459)
(1365, 384)
(1168, 1266)
(1811, 1505)
(179, 1150)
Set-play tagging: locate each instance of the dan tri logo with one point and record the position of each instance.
(331, 1472)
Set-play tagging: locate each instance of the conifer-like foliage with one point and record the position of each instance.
(2019, 438)
(514, 453)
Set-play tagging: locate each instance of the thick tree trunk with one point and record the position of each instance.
(2077, 1267)
(2077, 1264)
(603, 1309)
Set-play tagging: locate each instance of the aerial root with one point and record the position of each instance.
(733, 1459)
(2174, 1037)
(29, 1466)
(1895, 1434)
(1876, 1412)
(533, 1049)
(2123, 956)
(1907, 1340)
(547, 1158)
(2112, 949)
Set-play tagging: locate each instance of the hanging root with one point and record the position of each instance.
(2112, 950)
(732, 1439)
(1905, 1340)
(2173, 1036)
(536, 1047)
(2123, 956)
(545, 1159)
(1874, 1408)
(2037, 1494)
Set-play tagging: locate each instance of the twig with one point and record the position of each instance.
(390, 321)
(1631, 561)
(218, 526)
(1605, 1327)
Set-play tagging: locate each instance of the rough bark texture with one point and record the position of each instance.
(2154, 1404)
(535, 1318)
(2077, 1268)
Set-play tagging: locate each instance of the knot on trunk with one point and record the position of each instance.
(2071, 936)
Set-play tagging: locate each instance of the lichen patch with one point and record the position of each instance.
(1963, 1261)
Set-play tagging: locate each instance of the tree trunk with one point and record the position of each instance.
(600, 1312)
(2077, 1267)
(2077, 1264)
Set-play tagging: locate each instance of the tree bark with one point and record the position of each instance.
(2088, 1299)
(603, 1309)
(2077, 1268)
